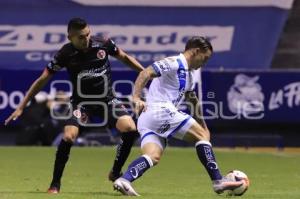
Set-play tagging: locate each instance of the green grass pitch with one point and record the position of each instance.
(25, 172)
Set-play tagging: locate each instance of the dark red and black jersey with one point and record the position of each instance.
(89, 71)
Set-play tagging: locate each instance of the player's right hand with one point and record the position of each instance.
(139, 106)
(13, 116)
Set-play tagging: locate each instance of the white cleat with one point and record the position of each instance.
(124, 186)
(224, 184)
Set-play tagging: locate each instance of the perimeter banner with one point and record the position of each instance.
(244, 34)
(228, 97)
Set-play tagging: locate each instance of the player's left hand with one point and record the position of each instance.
(139, 106)
(13, 116)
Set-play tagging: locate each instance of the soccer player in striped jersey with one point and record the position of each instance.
(160, 118)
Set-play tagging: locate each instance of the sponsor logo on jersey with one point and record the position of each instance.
(77, 113)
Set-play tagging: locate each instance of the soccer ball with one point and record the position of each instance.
(237, 175)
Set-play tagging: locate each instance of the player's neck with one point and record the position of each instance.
(187, 56)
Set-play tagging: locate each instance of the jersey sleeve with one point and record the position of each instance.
(112, 48)
(164, 66)
(57, 63)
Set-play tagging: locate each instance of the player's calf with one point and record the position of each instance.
(70, 133)
(153, 151)
(197, 133)
(123, 151)
(62, 156)
(206, 156)
(137, 168)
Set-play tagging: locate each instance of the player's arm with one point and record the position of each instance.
(129, 60)
(196, 109)
(140, 83)
(37, 85)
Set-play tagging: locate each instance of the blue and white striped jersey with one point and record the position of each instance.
(173, 81)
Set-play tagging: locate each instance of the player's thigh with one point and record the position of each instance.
(162, 120)
(153, 146)
(196, 133)
(125, 123)
(79, 117)
(119, 117)
(70, 133)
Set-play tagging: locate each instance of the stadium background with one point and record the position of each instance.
(255, 64)
(255, 60)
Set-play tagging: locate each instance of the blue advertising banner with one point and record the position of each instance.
(228, 97)
(244, 34)
(260, 97)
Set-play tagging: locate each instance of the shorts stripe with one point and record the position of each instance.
(179, 126)
(149, 133)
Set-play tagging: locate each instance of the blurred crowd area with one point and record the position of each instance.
(37, 126)
(247, 50)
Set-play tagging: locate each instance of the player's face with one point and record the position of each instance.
(80, 38)
(200, 58)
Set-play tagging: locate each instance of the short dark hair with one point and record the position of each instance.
(198, 42)
(76, 24)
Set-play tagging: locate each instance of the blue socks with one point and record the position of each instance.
(205, 154)
(137, 168)
(207, 158)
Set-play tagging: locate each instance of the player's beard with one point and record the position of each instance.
(85, 45)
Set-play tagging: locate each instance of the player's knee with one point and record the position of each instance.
(69, 137)
(70, 133)
(127, 128)
(126, 124)
(130, 128)
(155, 158)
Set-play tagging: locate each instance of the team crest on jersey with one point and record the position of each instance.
(77, 113)
(101, 54)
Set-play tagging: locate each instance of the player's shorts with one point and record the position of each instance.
(96, 114)
(162, 121)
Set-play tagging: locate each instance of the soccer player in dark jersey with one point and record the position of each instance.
(85, 58)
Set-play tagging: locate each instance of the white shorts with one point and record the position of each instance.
(163, 121)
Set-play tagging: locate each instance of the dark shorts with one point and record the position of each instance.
(96, 114)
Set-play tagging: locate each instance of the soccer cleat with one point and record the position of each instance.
(53, 190)
(112, 177)
(124, 186)
(224, 184)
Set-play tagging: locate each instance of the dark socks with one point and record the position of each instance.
(123, 150)
(207, 158)
(62, 156)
